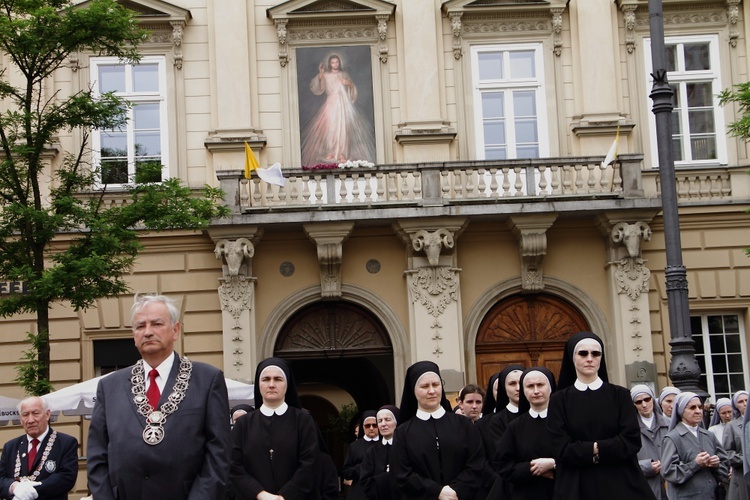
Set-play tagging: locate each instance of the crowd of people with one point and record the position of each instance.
(529, 436)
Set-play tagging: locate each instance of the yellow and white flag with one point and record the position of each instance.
(612, 154)
(272, 175)
(250, 162)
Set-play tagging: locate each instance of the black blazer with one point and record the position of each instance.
(62, 460)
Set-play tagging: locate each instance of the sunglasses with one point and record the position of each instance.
(647, 399)
(370, 426)
(585, 354)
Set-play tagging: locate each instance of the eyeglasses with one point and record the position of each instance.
(585, 354)
(647, 399)
(370, 426)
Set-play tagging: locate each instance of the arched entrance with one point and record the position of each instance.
(528, 330)
(341, 345)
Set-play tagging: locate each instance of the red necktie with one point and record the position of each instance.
(32, 453)
(153, 393)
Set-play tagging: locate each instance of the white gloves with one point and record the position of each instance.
(25, 490)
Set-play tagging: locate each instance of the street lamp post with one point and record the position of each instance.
(683, 368)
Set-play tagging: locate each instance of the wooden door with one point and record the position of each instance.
(528, 330)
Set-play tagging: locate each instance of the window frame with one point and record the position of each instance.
(682, 77)
(537, 84)
(160, 97)
(708, 353)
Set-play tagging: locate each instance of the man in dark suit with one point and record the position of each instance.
(43, 463)
(159, 430)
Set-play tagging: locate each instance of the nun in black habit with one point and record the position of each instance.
(594, 429)
(356, 453)
(275, 448)
(375, 476)
(524, 456)
(506, 409)
(438, 454)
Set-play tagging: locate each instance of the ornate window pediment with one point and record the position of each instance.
(369, 18)
(678, 14)
(164, 20)
(479, 18)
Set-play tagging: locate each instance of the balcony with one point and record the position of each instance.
(574, 185)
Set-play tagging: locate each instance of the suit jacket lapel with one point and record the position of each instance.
(171, 379)
(22, 454)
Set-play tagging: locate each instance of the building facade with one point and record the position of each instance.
(487, 229)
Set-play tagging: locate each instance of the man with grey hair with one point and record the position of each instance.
(161, 428)
(43, 463)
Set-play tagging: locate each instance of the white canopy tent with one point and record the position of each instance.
(9, 410)
(79, 399)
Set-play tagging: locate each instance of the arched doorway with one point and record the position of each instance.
(342, 345)
(528, 330)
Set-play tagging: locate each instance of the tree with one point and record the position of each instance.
(39, 200)
(741, 96)
(741, 128)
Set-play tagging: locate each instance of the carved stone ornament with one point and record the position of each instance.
(329, 238)
(456, 28)
(435, 288)
(235, 295)
(432, 243)
(177, 42)
(632, 277)
(533, 247)
(631, 236)
(557, 24)
(631, 274)
(234, 254)
(629, 15)
(330, 21)
(733, 14)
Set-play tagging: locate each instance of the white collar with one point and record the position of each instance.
(596, 384)
(388, 441)
(692, 428)
(538, 414)
(648, 421)
(40, 438)
(280, 410)
(369, 438)
(511, 408)
(423, 415)
(164, 369)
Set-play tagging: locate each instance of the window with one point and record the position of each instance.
(508, 84)
(112, 354)
(719, 347)
(693, 74)
(120, 153)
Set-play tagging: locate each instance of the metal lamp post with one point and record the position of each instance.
(683, 368)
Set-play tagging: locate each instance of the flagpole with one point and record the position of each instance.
(683, 367)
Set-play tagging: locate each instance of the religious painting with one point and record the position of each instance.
(336, 111)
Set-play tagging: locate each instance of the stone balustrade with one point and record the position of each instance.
(439, 184)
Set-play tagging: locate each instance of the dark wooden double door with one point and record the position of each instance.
(526, 330)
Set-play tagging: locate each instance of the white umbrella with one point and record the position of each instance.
(9, 410)
(79, 399)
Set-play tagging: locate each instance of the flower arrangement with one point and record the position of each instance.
(334, 166)
(356, 164)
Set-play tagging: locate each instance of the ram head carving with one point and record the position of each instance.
(234, 253)
(432, 243)
(631, 235)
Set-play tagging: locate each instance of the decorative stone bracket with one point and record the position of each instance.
(631, 274)
(432, 243)
(329, 238)
(531, 232)
(234, 255)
